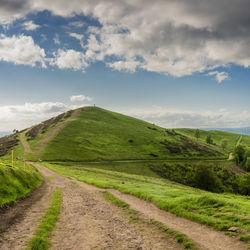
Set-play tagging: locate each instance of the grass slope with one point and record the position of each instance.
(97, 134)
(217, 137)
(16, 182)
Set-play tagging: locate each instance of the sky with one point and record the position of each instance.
(173, 63)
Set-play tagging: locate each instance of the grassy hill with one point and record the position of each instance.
(217, 137)
(93, 134)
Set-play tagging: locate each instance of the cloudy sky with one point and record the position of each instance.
(175, 63)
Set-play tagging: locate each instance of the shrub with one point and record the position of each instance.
(206, 179)
(244, 184)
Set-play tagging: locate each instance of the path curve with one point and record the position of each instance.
(203, 235)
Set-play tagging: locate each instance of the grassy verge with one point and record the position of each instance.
(16, 182)
(134, 216)
(41, 239)
(220, 211)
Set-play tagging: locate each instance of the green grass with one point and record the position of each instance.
(16, 182)
(41, 239)
(98, 134)
(220, 211)
(114, 200)
(134, 216)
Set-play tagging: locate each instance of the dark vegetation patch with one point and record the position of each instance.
(44, 126)
(212, 177)
(173, 148)
(152, 128)
(191, 145)
(154, 155)
(171, 132)
(7, 143)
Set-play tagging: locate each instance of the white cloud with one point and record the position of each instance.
(172, 37)
(69, 59)
(78, 37)
(21, 50)
(173, 118)
(30, 25)
(77, 24)
(219, 76)
(56, 39)
(129, 66)
(77, 98)
(25, 115)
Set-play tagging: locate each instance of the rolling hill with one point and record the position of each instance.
(94, 134)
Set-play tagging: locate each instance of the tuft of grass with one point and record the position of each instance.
(114, 200)
(41, 239)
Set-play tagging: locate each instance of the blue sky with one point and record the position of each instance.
(175, 65)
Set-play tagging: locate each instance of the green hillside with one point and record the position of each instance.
(217, 137)
(97, 134)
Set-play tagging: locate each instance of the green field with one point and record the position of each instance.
(219, 211)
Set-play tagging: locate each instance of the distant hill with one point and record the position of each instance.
(243, 131)
(93, 134)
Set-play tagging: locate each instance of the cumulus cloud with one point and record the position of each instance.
(77, 98)
(78, 37)
(219, 76)
(69, 59)
(172, 118)
(171, 37)
(21, 50)
(30, 25)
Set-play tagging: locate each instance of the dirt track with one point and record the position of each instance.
(87, 221)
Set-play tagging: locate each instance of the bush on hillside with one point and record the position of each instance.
(240, 154)
(208, 176)
(206, 179)
(244, 184)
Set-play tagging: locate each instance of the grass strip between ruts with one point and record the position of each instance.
(134, 216)
(41, 239)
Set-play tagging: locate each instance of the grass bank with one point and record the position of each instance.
(220, 211)
(41, 239)
(16, 182)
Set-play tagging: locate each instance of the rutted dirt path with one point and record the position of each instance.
(19, 222)
(204, 236)
(88, 221)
